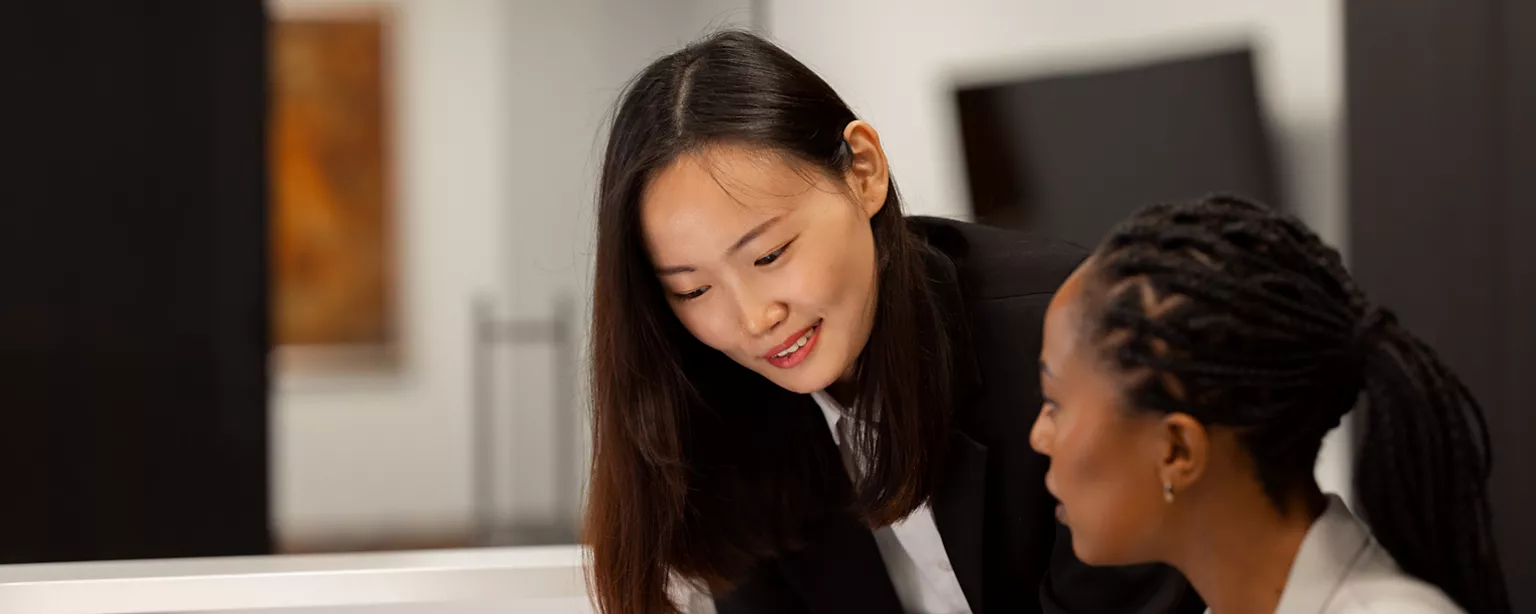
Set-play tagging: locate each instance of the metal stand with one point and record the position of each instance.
(489, 334)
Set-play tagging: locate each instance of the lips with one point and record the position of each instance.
(1061, 508)
(788, 342)
(794, 349)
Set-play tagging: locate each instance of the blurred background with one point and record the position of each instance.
(305, 276)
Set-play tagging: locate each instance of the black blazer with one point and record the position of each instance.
(996, 519)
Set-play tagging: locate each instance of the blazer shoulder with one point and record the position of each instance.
(1397, 602)
(995, 263)
(1377, 585)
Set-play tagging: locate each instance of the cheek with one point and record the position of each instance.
(806, 284)
(710, 322)
(817, 284)
(1104, 487)
(841, 246)
(847, 288)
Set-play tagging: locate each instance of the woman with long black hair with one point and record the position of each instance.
(803, 400)
(1191, 367)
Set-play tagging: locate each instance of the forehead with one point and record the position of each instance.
(709, 198)
(1063, 321)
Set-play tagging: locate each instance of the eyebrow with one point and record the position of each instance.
(757, 231)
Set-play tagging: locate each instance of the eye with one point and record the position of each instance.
(691, 294)
(1049, 408)
(773, 256)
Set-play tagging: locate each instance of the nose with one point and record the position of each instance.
(761, 316)
(1041, 433)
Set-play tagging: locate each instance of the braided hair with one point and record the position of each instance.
(1240, 316)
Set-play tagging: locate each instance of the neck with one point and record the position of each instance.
(843, 390)
(1238, 552)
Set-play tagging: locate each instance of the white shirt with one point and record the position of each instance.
(1341, 569)
(912, 549)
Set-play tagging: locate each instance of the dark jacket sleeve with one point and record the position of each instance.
(765, 591)
(1072, 587)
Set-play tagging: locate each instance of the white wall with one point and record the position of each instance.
(500, 105)
(573, 58)
(351, 456)
(897, 61)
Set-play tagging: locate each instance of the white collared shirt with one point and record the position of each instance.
(1341, 569)
(912, 549)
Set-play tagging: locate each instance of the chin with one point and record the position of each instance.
(803, 382)
(796, 387)
(1096, 555)
(1085, 554)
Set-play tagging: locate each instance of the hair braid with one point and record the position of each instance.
(1241, 316)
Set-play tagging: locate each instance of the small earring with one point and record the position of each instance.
(1168, 492)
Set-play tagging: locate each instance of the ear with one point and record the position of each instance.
(1188, 450)
(868, 175)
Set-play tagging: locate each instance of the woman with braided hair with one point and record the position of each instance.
(1191, 367)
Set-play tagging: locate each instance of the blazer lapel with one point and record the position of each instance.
(959, 511)
(959, 505)
(841, 570)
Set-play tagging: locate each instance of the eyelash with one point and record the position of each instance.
(770, 258)
(773, 256)
(1050, 408)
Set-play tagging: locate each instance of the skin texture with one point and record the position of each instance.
(754, 250)
(1111, 462)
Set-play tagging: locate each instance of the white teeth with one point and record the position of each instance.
(799, 343)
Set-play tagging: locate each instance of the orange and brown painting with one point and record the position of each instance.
(331, 222)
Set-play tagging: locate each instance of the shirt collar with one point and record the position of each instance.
(1330, 549)
(833, 411)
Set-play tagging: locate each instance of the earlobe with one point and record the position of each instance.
(1188, 450)
(868, 174)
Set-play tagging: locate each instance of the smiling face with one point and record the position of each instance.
(767, 263)
(1107, 458)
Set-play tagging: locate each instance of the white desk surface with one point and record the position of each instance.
(543, 579)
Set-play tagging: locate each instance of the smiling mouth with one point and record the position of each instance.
(793, 351)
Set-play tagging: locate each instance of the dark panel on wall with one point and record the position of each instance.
(1071, 155)
(133, 329)
(1515, 473)
(1441, 167)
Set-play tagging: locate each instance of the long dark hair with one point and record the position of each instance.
(700, 467)
(1240, 316)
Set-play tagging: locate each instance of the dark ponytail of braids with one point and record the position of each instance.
(1421, 474)
(1240, 316)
